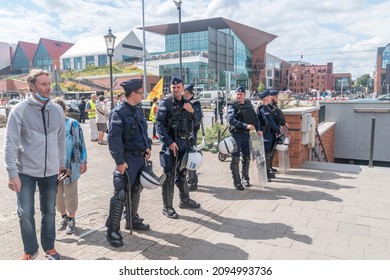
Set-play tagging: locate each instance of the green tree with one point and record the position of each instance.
(363, 80)
(261, 87)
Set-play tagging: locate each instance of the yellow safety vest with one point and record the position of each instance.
(152, 115)
(92, 114)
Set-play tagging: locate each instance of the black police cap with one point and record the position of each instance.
(176, 80)
(131, 85)
(189, 87)
(240, 89)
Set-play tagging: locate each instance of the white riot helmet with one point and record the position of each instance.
(228, 145)
(148, 179)
(192, 159)
(282, 143)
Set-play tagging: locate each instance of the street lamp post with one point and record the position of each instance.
(178, 5)
(110, 43)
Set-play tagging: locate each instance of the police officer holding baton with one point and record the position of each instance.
(129, 146)
(174, 124)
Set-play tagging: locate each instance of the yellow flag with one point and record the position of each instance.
(157, 91)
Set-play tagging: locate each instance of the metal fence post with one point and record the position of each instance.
(370, 163)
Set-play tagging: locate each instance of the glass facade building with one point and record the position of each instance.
(220, 45)
(382, 73)
(42, 59)
(20, 62)
(386, 56)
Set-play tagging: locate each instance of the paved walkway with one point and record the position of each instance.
(305, 214)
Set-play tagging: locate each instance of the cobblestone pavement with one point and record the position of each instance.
(304, 214)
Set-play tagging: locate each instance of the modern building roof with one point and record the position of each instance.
(55, 48)
(251, 37)
(93, 45)
(29, 49)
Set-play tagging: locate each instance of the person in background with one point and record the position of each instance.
(75, 164)
(189, 96)
(119, 99)
(82, 106)
(91, 109)
(101, 119)
(152, 117)
(129, 146)
(34, 150)
(219, 105)
(242, 118)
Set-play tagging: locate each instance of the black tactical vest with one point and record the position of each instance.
(245, 112)
(179, 118)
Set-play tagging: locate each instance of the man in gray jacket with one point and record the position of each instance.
(34, 149)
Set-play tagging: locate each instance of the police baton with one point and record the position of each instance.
(128, 203)
(176, 157)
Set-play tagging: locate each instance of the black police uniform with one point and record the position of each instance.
(192, 176)
(174, 124)
(127, 142)
(279, 118)
(239, 116)
(219, 106)
(271, 129)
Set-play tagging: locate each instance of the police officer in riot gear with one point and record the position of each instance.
(129, 146)
(175, 126)
(189, 96)
(278, 115)
(271, 130)
(242, 118)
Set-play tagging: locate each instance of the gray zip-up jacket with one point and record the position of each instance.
(34, 141)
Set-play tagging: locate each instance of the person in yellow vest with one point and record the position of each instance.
(152, 117)
(91, 109)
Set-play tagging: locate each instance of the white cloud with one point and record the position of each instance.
(346, 33)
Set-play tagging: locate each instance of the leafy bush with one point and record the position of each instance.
(211, 133)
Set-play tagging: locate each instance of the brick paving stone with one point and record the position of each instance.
(304, 214)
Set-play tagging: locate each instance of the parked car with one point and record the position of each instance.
(12, 103)
(385, 97)
(206, 97)
(72, 105)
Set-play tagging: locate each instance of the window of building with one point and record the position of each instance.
(132, 47)
(42, 58)
(78, 63)
(89, 60)
(20, 62)
(102, 60)
(66, 63)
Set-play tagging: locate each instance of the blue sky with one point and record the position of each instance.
(347, 32)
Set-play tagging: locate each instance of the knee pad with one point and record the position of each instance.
(120, 195)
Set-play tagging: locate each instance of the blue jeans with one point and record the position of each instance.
(26, 211)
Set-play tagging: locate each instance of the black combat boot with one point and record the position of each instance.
(192, 181)
(270, 173)
(185, 200)
(114, 218)
(136, 221)
(234, 167)
(167, 194)
(245, 172)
